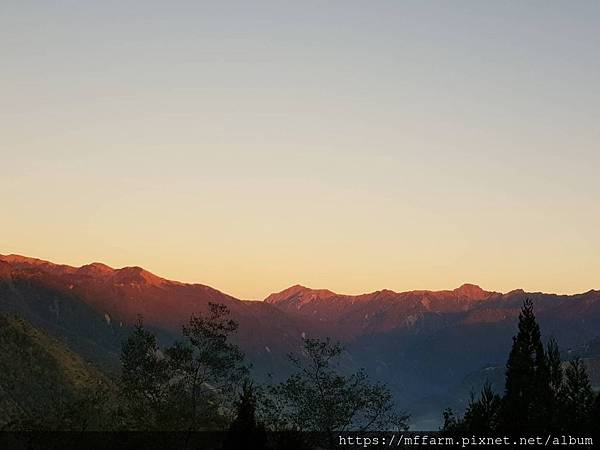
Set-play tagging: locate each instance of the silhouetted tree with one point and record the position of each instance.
(578, 397)
(188, 386)
(481, 416)
(319, 398)
(528, 394)
(556, 371)
(555, 419)
(451, 424)
(144, 382)
(540, 394)
(206, 369)
(245, 431)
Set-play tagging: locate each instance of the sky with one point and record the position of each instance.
(346, 145)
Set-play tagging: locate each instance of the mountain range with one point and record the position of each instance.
(430, 347)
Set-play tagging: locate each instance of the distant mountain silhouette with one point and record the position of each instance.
(424, 344)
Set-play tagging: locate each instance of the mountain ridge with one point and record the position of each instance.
(122, 296)
(99, 268)
(138, 274)
(418, 342)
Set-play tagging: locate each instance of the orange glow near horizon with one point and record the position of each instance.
(335, 145)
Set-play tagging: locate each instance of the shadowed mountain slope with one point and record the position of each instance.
(38, 372)
(422, 343)
(92, 309)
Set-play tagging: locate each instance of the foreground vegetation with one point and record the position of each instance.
(542, 393)
(43, 385)
(203, 383)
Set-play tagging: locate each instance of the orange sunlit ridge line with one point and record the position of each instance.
(467, 290)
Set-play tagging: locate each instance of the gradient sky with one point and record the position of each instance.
(349, 145)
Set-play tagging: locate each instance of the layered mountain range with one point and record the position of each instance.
(426, 345)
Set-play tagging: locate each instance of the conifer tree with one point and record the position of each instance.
(528, 394)
(482, 415)
(540, 395)
(555, 368)
(556, 372)
(579, 397)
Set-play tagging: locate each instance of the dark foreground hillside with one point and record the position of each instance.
(38, 372)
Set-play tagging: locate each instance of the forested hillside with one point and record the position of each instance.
(39, 373)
